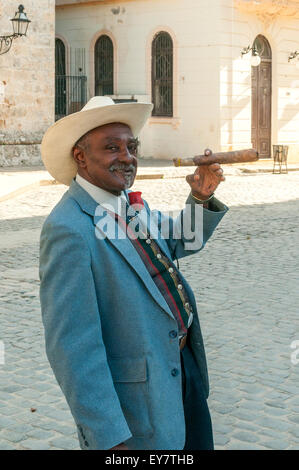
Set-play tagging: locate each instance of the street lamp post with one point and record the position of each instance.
(20, 25)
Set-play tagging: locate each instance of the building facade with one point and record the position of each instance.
(27, 73)
(185, 56)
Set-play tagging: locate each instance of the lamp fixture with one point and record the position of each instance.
(293, 56)
(20, 25)
(255, 57)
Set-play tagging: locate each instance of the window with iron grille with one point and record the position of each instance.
(60, 80)
(103, 61)
(162, 74)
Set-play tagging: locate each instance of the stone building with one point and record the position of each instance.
(26, 83)
(185, 56)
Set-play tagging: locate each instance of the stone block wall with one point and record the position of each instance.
(27, 86)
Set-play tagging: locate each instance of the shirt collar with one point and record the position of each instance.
(101, 196)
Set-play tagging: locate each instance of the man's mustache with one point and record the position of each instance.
(122, 167)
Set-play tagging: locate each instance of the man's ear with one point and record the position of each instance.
(79, 157)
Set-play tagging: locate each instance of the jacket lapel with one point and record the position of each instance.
(106, 227)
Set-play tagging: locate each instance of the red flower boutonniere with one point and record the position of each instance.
(136, 199)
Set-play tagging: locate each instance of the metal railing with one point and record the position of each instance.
(70, 94)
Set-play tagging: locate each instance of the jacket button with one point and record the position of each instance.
(173, 334)
(175, 372)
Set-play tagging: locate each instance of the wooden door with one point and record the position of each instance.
(261, 109)
(261, 102)
(254, 107)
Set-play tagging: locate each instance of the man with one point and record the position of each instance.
(121, 326)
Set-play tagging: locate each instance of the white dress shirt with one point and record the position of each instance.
(103, 197)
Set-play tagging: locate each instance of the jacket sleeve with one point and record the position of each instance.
(73, 336)
(190, 230)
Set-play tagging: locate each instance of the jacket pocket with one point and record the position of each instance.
(130, 377)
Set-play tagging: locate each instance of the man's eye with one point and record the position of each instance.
(113, 148)
(132, 148)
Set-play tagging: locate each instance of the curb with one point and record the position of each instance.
(266, 170)
(28, 187)
(156, 176)
(19, 191)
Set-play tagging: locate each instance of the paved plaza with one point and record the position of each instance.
(246, 283)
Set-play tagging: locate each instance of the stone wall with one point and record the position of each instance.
(26, 83)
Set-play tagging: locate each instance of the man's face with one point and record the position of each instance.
(108, 157)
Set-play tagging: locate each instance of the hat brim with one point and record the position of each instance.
(59, 139)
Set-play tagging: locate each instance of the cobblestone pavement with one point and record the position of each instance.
(246, 284)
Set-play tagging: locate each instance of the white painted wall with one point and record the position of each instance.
(240, 30)
(212, 84)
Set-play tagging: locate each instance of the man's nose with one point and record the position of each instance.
(125, 156)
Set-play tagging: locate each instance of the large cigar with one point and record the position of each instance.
(238, 156)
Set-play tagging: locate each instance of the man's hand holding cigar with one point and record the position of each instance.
(209, 173)
(205, 179)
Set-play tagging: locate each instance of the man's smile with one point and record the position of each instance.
(125, 172)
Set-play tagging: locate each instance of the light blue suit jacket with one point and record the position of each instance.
(107, 330)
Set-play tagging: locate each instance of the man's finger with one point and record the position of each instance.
(219, 172)
(214, 166)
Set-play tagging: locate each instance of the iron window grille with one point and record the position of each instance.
(104, 66)
(162, 75)
(71, 94)
(70, 90)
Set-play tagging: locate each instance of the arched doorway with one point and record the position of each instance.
(103, 62)
(261, 98)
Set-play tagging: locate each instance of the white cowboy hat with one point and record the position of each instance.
(58, 141)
